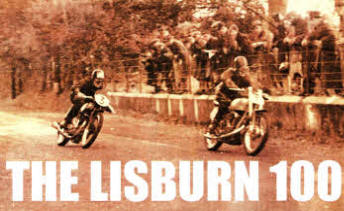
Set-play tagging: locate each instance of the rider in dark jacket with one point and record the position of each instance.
(83, 92)
(226, 91)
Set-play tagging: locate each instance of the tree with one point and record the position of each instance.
(60, 41)
(16, 40)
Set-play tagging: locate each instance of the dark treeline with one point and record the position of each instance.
(50, 45)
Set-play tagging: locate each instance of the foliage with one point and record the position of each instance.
(81, 33)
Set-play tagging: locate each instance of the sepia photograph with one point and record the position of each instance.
(172, 105)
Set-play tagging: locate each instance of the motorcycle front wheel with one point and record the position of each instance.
(256, 136)
(91, 132)
(212, 144)
(61, 140)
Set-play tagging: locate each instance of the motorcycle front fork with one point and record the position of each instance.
(254, 128)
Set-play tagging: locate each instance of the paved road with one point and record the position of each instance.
(27, 136)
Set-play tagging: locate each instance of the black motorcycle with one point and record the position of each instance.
(246, 124)
(86, 126)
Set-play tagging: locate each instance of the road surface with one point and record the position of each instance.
(28, 136)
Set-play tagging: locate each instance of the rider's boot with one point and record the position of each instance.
(62, 124)
(234, 119)
(211, 129)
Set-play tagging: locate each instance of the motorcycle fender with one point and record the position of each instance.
(110, 109)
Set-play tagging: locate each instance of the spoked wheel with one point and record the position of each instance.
(91, 132)
(256, 136)
(212, 144)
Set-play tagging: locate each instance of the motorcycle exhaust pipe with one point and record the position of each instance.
(226, 135)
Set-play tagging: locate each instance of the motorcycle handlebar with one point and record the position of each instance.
(238, 89)
(266, 96)
(89, 98)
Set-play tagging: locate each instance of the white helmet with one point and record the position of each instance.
(98, 73)
(98, 77)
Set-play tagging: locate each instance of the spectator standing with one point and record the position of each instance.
(202, 72)
(181, 62)
(163, 61)
(262, 60)
(238, 44)
(324, 38)
(151, 68)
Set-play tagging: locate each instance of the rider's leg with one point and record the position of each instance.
(72, 112)
(216, 116)
(213, 123)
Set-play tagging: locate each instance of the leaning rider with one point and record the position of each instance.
(227, 91)
(83, 92)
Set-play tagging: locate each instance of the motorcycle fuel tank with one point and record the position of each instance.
(240, 104)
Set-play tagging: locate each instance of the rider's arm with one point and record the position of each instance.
(76, 90)
(251, 83)
(82, 95)
(220, 97)
(245, 81)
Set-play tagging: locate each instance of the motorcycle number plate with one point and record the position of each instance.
(257, 99)
(102, 100)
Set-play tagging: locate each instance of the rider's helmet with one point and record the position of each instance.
(98, 78)
(241, 64)
(240, 61)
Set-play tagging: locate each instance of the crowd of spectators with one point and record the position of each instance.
(286, 55)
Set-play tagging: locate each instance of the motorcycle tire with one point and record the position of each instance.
(91, 137)
(61, 140)
(247, 139)
(212, 144)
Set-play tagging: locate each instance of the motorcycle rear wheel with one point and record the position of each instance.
(254, 143)
(92, 131)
